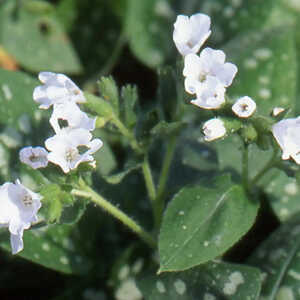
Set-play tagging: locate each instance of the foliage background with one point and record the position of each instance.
(132, 40)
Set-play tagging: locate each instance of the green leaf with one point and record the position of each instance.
(278, 257)
(202, 223)
(267, 67)
(50, 247)
(130, 96)
(66, 12)
(38, 42)
(16, 96)
(212, 281)
(283, 193)
(149, 31)
(109, 91)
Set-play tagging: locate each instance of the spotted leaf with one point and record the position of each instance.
(212, 281)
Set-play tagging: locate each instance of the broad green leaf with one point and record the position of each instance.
(278, 257)
(202, 223)
(66, 12)
(16, 97)
(212, 281)
(283, 194)
(51, 247)
(149, 31)
(267, 67)
(36, 40)
(96, 33)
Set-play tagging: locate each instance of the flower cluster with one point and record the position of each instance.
(207, 75)
(18, 209)
(65, 147)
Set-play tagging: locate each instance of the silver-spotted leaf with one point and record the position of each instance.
(201, 224)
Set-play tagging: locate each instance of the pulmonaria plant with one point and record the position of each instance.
(201, 222)
(35, 157)
(190, 33)
(64, 148)
(56, 89)
(287, 135)
(63, 94)
(213, 129)
(244, 107)
(18, 210)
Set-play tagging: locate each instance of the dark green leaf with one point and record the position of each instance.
(278, 258)
(267, 67)
(16, 96)
(149, 32)
(283, 194)
(50, 247)
(212, 281)
(202, 223)
(36, 40)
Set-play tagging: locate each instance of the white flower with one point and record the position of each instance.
(35, 157)
(65, 148)
(71, 113)
(191, 32)
(287, 135)
(18, 209)
(210, 95)
(210, 63)
(244, 107)
(213, 129)
(277, 111)
(57, 88)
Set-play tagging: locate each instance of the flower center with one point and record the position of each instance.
(27, 199)
(33, 158)
(244, 107)
(71, 154)
(202, 76)
(76, 92)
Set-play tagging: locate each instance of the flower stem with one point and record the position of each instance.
(148, 179)
(245, 167)
(87, 192)
(171, 146)
(132, 140)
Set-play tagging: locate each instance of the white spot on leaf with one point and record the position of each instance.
(160, 286)
(180, 286)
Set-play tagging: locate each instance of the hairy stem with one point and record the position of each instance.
(245, 167)
(87, 192)
(160, 198)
